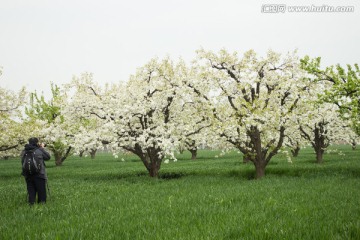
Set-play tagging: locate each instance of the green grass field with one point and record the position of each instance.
(209, 198)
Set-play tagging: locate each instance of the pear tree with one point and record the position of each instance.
(252, 99)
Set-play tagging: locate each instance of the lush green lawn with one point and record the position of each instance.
(210, 198)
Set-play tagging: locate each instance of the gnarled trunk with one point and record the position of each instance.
(191, 146)
(150, 158)
(295, 151)
(353, 144)
(320, 142)
(154, 168)
(93, 153)
(60, 156)
(193, 153)
(319, 154)
(258, 154)
(152, 164)
(260, 168)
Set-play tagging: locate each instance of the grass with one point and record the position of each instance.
(210, 198)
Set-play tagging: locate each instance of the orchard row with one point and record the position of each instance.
(258, 105)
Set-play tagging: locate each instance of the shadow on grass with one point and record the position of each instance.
(239, 171)
(315, 171)
(309, 170)
(242, 174)
(134, 175)
(171, 175)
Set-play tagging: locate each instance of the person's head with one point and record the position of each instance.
(34, 141)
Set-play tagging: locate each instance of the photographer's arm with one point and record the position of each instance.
(46, 155)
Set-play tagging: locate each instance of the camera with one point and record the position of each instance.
(42, 144)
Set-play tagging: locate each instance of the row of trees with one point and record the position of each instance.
(260, 106)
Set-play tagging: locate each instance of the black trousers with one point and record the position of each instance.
(36, 185)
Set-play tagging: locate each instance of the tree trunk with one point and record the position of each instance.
(319, 143)
(193, 153)
(81, 153)
(259, 159)
(153, 166)
(60, 156)
(191, 146)
(319, 155)
(154, 169)
(353, 144)
(295, 151)
(150, 159)
(93, 153)
(58, 159)
(260, 168)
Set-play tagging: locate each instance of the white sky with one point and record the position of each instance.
(43, 41)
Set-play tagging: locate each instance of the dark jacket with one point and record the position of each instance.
(40, 154)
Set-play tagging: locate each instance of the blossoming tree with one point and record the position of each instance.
(54, 130)
(321, 125)
(149, 115)
(252, 99)
(344, 90)
(14, 132)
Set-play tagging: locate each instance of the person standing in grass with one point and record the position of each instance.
(34, 172)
